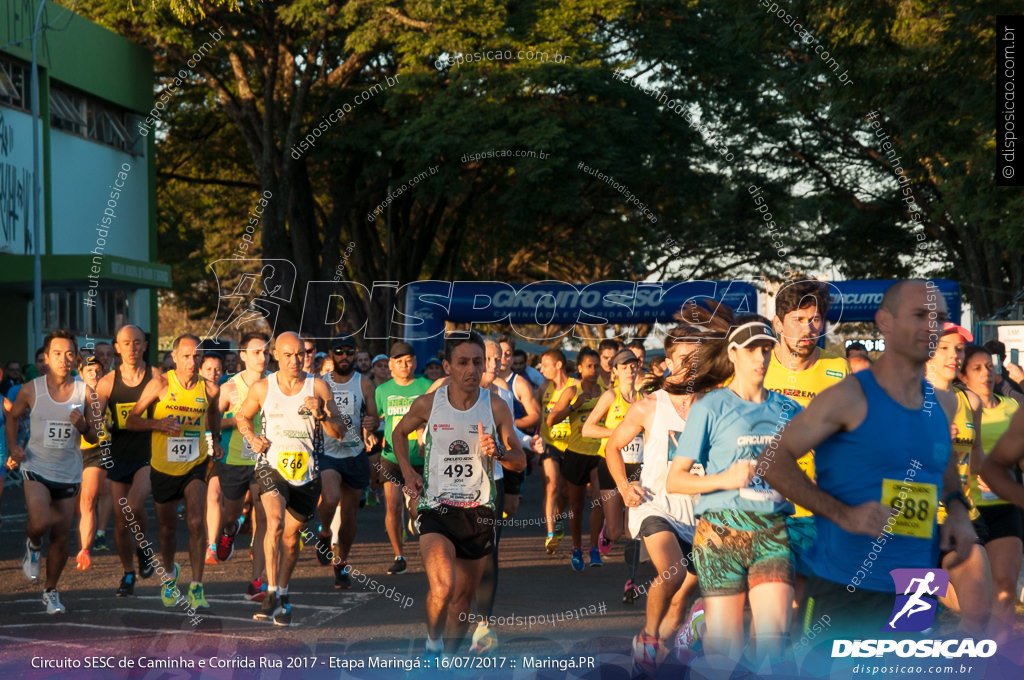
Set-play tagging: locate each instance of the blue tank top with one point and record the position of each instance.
(897, 456)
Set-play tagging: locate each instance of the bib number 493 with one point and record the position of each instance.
(458, 471)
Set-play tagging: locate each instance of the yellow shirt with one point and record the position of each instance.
(558, 434)
(963, 442)
(802, 386)
(177, 455)
(577, 442)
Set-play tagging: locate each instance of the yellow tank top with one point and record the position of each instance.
(962, 444)
(177, 455)
(994, 422)
(577, 442)
(616, 412)
(802, 386)
(558, 434)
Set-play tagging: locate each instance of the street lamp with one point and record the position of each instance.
(37, 272)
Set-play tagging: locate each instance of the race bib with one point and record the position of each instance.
(758, 490)
(346, 403)
(123, 411)
(561, 430)
(58, 434)
(293, 465)
(633, 452)
(914, 512)
(182, 449)
(394, 424)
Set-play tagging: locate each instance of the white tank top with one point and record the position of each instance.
(455, 471)
(292, 437)
(509, 399)
(675, 508)
(54, 448)
(348, 398)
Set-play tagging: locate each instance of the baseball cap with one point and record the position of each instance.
(400, 349)
(752, 331)
(343, 341)
(950, 327)
(435, 360)
(623, 356)
(379, 357)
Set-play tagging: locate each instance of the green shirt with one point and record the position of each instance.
(393, 402)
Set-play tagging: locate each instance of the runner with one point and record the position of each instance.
(183, 422)
(580, 460)
(309, 347)
(607, 414)
(606, 350)
(433, 370)
(297, 410)
(741, 545)
(970, 592)
(130, 451)
(664, 521)
(526, 412)
(104, 353)
(363, 364)
(999, 526)
(881, 450)
(857, 356)
(92, 503)
(637, 348)
(211, 367)
(51, 462)
(457, 492)
(555, 434)
(801, 370)
(394, 399)
(234, 475)
(344, 466)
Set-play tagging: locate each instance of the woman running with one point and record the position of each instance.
(741, 546)
(94, 499)
(999, 527)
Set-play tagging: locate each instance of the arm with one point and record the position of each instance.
(150, 395)
(997, 468)
(103, 389)
(977, 452)
(563, 406)
(416, 418)
(333, 423)
(94, 417)
(693, 444)
(636, 420)
(513, 458)
(228, 393)
(372, 418)
(246, 412)
(530, 404)
(213, 417)
(26, 395)
(592, 427)
(957, 532)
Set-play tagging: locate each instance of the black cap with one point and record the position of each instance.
(623, 356)
(343, 341)
(433, 360)
(400, 349)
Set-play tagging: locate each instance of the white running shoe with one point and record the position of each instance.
(52, 602)
(30, 565)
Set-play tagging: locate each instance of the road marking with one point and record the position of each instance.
(62, 643)
(137, 630)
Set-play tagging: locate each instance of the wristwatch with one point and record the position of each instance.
(956, 496)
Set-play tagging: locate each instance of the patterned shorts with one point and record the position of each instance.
(736, 551)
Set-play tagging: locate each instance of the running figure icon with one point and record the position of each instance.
(916, 603)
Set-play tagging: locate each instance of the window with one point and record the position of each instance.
(67, 111)
(94, 119)
(14, 84)
(107, 311)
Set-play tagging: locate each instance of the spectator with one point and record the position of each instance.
(857, 356)
(12, 377)
(381, 372)
(1008, 376)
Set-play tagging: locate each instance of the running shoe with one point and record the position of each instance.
(630, 593)
(267, 608)
(690, 634)
(256, 591)
(181, 512)
(372, 500)
(341, 578)
(196, 597)
(146, 566)
(211, 554)
(30, 564)
(484, 640)
(83, 561)
(99, 542)
(283, 614)
(551, 543)
(335, 551)
(645, 653)
(52, 602)
(127, 586)
(559, 530)
(595, 558)
(226, 545)
(169, 593)
(603, 543)
(398, 566)
(577, 559)
(323, 555)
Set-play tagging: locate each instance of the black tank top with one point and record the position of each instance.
(127, 445)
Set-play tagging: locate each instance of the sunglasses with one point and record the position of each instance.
(346, 352)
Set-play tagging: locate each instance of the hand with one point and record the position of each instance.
(369, 423)
(218, 451)
(168, 425)
(738, 475)
(957, 533)
(371, 440)
(16, 454)
(314, 404)
(76, 419)
(487, 444)
(867, 519)
(413, 485)
(1014, 372)
(537, 444)
(953, 431)
(632, 494)
(982, 486)
(259, 445)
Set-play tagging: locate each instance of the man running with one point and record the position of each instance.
(526, 411)
(394, 399)
(234, 475)
(881, 448)
(456, 494)
(297, 409)
(51, 462)
(183, 422)
(129, 450)
(345, 467)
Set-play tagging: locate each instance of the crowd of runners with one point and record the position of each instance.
(771, 484)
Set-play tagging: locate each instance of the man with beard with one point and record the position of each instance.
(345, 466)
(801, 370)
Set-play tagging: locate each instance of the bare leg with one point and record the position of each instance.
(62, 512)
(135, 496)
(195, 506)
